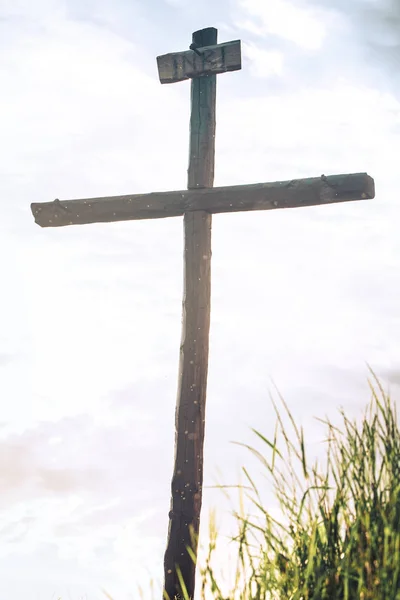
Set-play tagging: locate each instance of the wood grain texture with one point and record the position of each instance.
(187, 480)
(180, 66)
(202, 126)
(157, 205)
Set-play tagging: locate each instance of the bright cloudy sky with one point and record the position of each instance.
(90, 330)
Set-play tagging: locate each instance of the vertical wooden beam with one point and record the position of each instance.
(187, 481)
(202, 122)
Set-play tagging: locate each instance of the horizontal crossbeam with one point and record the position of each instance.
(209, 60)
(157, 205)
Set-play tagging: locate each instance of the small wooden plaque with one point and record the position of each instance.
(212, 60)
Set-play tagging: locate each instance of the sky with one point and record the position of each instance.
(302, 299)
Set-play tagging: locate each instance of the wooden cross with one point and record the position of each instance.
(201, 64)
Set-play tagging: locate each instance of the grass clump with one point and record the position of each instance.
(338, 536)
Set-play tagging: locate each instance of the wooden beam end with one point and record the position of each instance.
(369, 187)
(35, 210)
(347, 187)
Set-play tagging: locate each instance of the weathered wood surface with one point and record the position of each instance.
(187, 480)
(156, 205)
(212, 59)
(202, 125)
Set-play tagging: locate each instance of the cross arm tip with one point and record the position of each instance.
(35, 210)
(367, 186)
(42, 212)
(349, 186)
(370, 191)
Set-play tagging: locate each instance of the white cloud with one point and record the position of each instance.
(83, 91)
(41, 9)
(263, 63)
(304, 27)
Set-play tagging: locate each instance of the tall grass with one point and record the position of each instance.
(339, 534)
